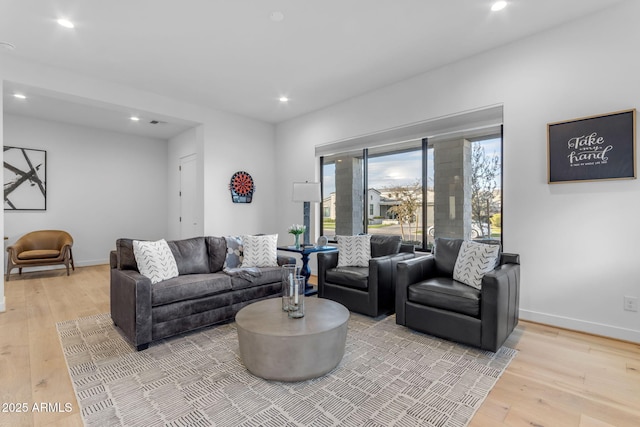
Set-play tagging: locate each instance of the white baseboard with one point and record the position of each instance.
(85, 263)
(3, 306)
(582, 325)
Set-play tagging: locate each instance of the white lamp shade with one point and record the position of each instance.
(306, 192)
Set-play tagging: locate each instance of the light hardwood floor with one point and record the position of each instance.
(558, 378)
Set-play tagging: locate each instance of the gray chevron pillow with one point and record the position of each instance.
(354, 251)
(155, 260)
(260, 251)
(474, 261)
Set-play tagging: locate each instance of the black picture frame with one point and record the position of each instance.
(25, 179)
(601, 147)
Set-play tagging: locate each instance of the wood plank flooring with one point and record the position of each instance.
(558, 378)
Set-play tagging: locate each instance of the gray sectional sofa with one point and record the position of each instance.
(202, 295)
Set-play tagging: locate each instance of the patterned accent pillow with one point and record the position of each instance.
(260, 251)
(354, 251)
(474, 261)
(155, 260)
(234, 252)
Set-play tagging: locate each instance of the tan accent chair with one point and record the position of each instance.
(38, 248)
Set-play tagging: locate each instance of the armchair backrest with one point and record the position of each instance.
(382, 245)
(445, 253)
(45, 239)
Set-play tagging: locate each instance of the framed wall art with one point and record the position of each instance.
(25, 179)
(592, 148)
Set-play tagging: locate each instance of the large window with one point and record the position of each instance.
(418, 189)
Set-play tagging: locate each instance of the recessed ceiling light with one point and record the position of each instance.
(499, 5)
(135, 119)
(284, 99)
(65, 23)
(19, 96)
(276, 16)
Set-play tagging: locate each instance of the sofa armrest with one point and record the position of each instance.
(326, 261)
(499, 301)
(408, 272)
(113, 259)
(284, 259)
(131, 306)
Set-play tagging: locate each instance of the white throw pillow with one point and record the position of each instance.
(155, 260)
(260, 251)
(474, 261)
(354, 251)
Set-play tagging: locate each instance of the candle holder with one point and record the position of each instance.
(296, 299)
(289, 272)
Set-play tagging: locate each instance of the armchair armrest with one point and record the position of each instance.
(410, 271)
(326, 261)
(499, 309)
(508, 258)
(382, 276)
(131, 305)
(408, 248)
(14, 250)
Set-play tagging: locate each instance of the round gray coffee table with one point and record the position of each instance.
(274, 347)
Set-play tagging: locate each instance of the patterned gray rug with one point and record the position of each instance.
(389, 376)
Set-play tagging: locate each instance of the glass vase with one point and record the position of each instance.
(296, 299)
(297, 241)
(289, 272)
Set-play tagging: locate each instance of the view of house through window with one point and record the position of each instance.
(449, 189)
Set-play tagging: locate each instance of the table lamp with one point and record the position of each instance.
(306, 192)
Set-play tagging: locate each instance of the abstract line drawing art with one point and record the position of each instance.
(25, 178)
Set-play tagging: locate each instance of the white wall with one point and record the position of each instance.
(3, 305)
(187, 143)
(228, 143)
(100, 186)
(240, 145)
(576, 241)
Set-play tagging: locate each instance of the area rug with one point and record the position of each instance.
(389, 376)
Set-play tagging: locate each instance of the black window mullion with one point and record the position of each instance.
(425, 144)
(365, 183)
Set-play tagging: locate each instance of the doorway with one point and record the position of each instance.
(189, 221)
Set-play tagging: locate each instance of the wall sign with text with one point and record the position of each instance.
(593, 148)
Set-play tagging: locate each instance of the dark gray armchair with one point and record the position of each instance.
(429, 300)
(366, 290)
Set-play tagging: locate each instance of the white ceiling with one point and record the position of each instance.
(230, 55)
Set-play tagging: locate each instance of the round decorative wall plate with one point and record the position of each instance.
(241, 187)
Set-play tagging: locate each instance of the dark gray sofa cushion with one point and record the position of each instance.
(267, 275)
(351, 277)
(189, 286)
(191, 255)
(447, 294)
(217, 247)
(382, 245)
(126, 259)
